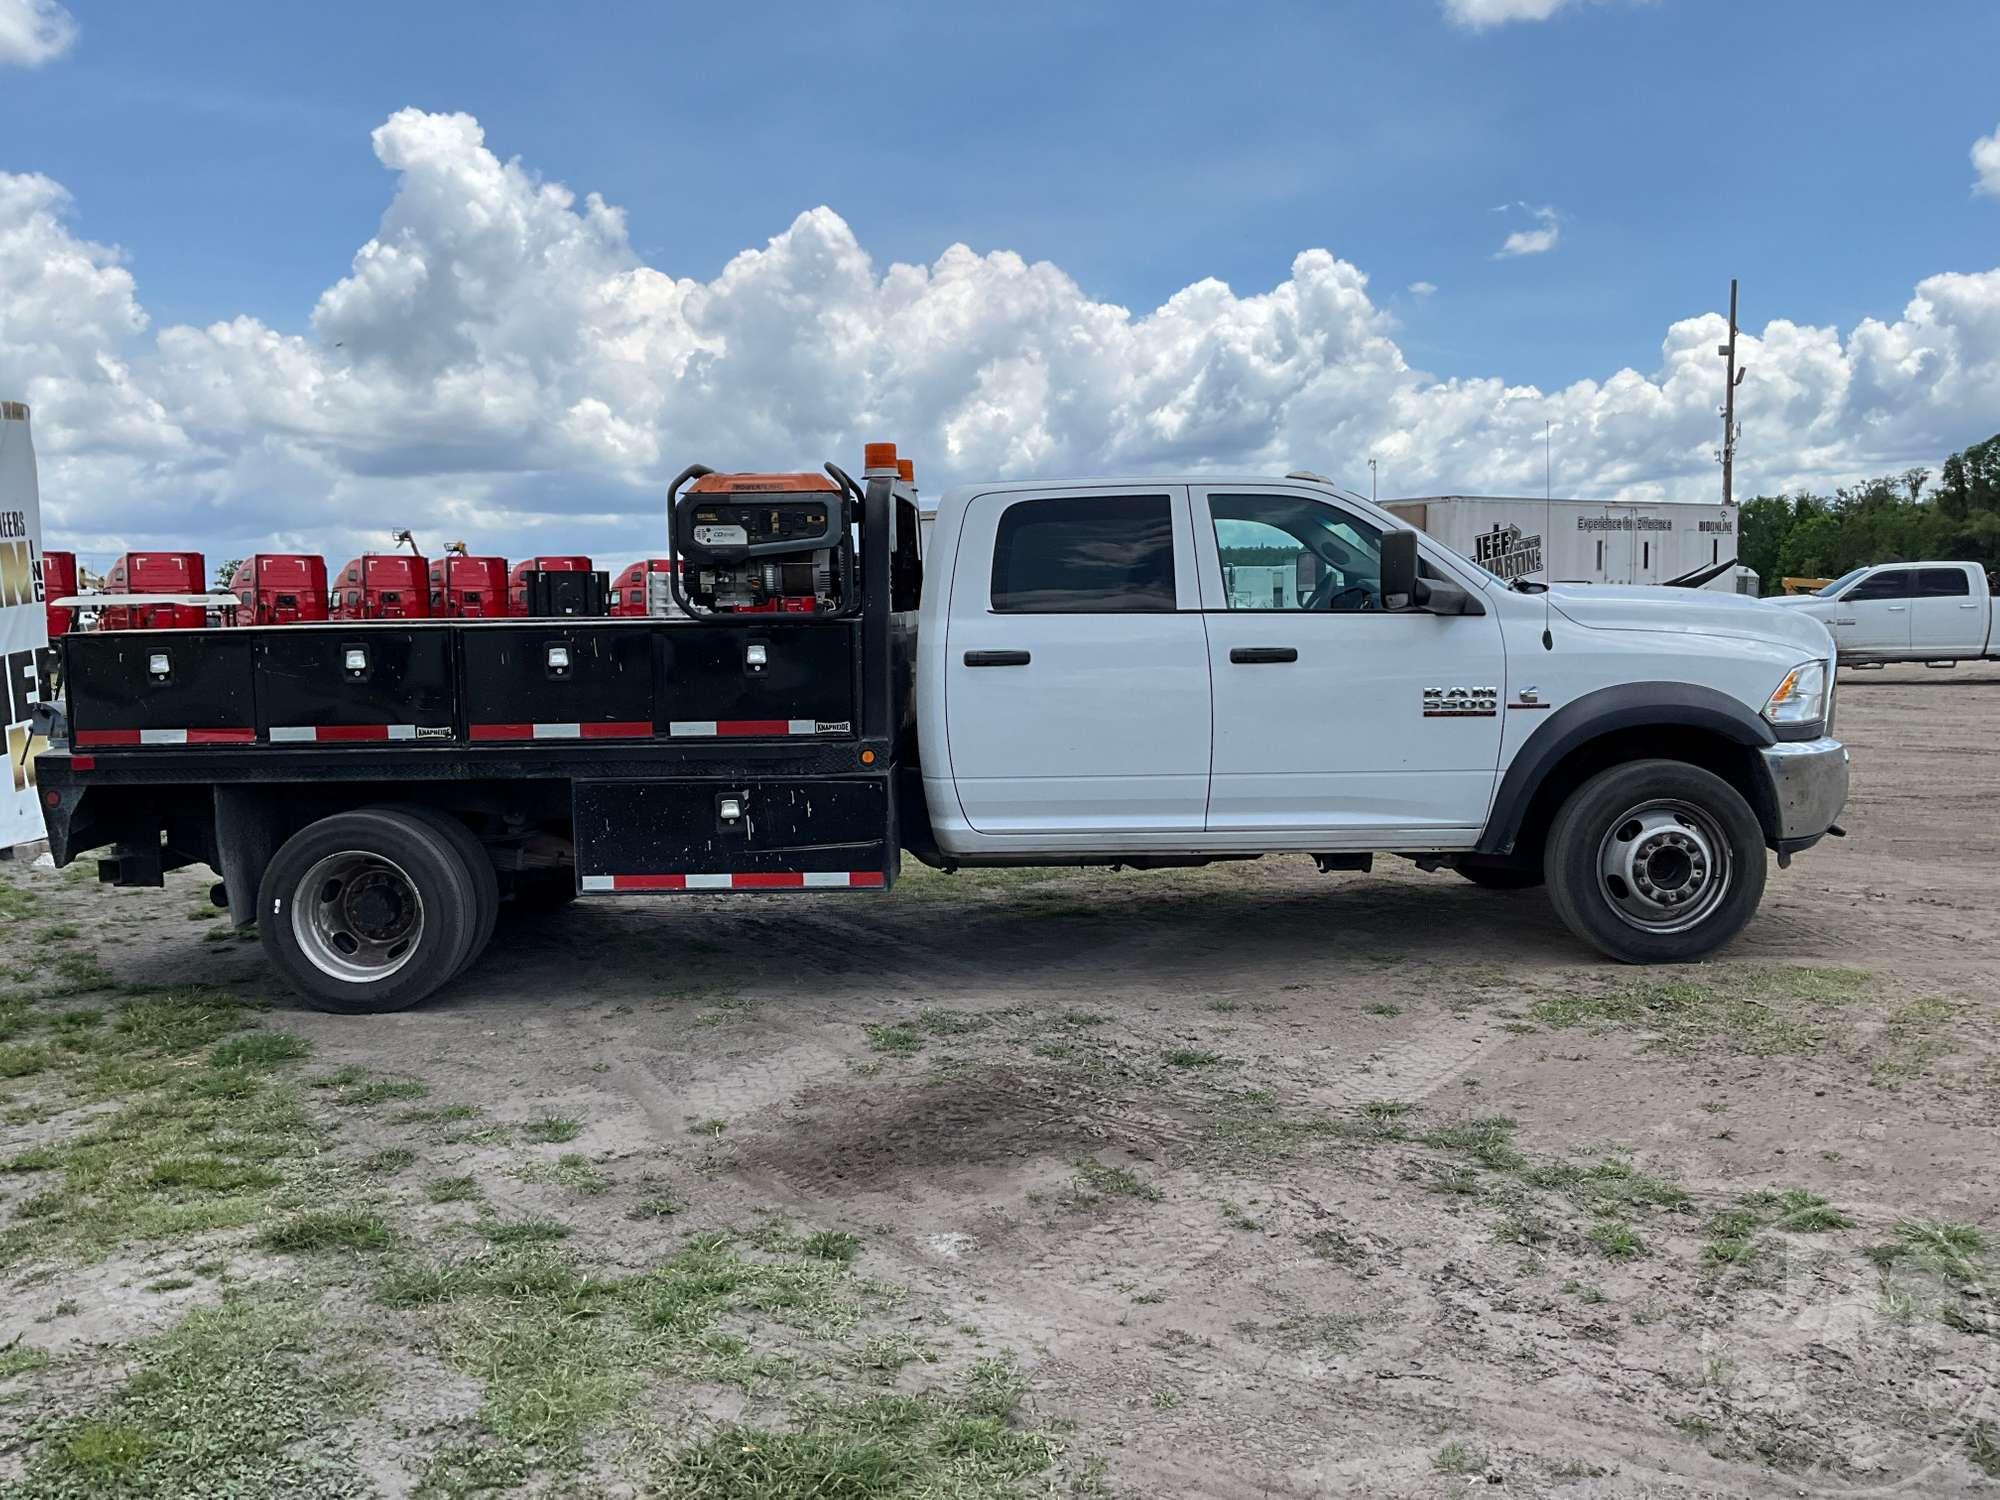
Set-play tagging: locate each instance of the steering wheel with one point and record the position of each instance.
(1326, 596)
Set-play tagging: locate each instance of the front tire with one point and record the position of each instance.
(1655, 862)
(368, 911)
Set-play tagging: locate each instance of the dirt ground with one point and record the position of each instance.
(1248, 1181)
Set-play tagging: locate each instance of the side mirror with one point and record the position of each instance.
(1401, 588)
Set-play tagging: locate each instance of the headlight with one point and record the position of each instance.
(1801, 697)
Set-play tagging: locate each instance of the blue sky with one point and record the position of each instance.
(1814, 148)
(220, 156)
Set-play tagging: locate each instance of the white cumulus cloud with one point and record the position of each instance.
(1537, 241)
(33, 32)
(500, 365)
(1986, 162)
(1423, 289)
(1484, 15)
(1481, 14)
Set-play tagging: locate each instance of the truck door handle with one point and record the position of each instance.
(996, 658)
(1897, 609)
(1250, 656)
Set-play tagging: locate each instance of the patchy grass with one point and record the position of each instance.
(524, 1232)
(1617, 1239)
(963, 1441)
(898, 1040)
(1488, 1141)
(1253, 1129)
(1760, 1009)
(451, 1190)
(1095, 1180)
(18, 1358)
(197, 1137)
(1982, 1447)
(571, 1170)
(260, 1049)
(370, 1092)
(1458, 1457)
(224, 1404)
(552, 1130)
(832, 1244)
(331, 1229)
(561, 1352)
(1930, 1263)
(941, 1022)
(1191, 1057)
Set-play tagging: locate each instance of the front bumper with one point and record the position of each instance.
(1808, 780)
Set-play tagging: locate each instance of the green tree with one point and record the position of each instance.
(1760, 534)
(1970, 484)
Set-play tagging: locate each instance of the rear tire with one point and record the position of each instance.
(368, 911)
(479, 867)
(1655, 862)
(1500, 875)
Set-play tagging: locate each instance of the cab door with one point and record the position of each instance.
(1946, 615)
(1330, 713)
(1076, 664)
(1874, 614)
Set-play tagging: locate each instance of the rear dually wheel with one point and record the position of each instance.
(368, 911)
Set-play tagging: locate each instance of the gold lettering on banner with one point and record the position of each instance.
(22, 748)
(17, 574)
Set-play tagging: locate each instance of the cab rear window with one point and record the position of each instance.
(1097, 554)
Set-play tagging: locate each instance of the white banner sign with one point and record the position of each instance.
(24, 623)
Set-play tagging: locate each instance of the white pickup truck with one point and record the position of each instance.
(1143, 673)
(1941, 613)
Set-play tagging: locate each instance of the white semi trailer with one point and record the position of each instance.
(1584, 541)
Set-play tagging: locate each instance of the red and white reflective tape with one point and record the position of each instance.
(111, 739)
(763, 880)
(623, 729)
(724, 728)
(336, 734)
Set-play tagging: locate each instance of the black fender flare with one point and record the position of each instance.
(1627, 705)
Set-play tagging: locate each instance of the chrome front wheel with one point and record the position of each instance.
(1664, 865)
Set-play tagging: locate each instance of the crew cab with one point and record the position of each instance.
(1142, 673)
(1941, 613)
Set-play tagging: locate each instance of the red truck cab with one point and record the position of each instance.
(468, 588)
(279, 588)
(58, 582)
(155, 573)
(632, 591)
(381, 586)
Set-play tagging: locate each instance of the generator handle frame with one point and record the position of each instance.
(674, 563)
(852, 507)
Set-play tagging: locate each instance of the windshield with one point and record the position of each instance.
(1838, 584)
